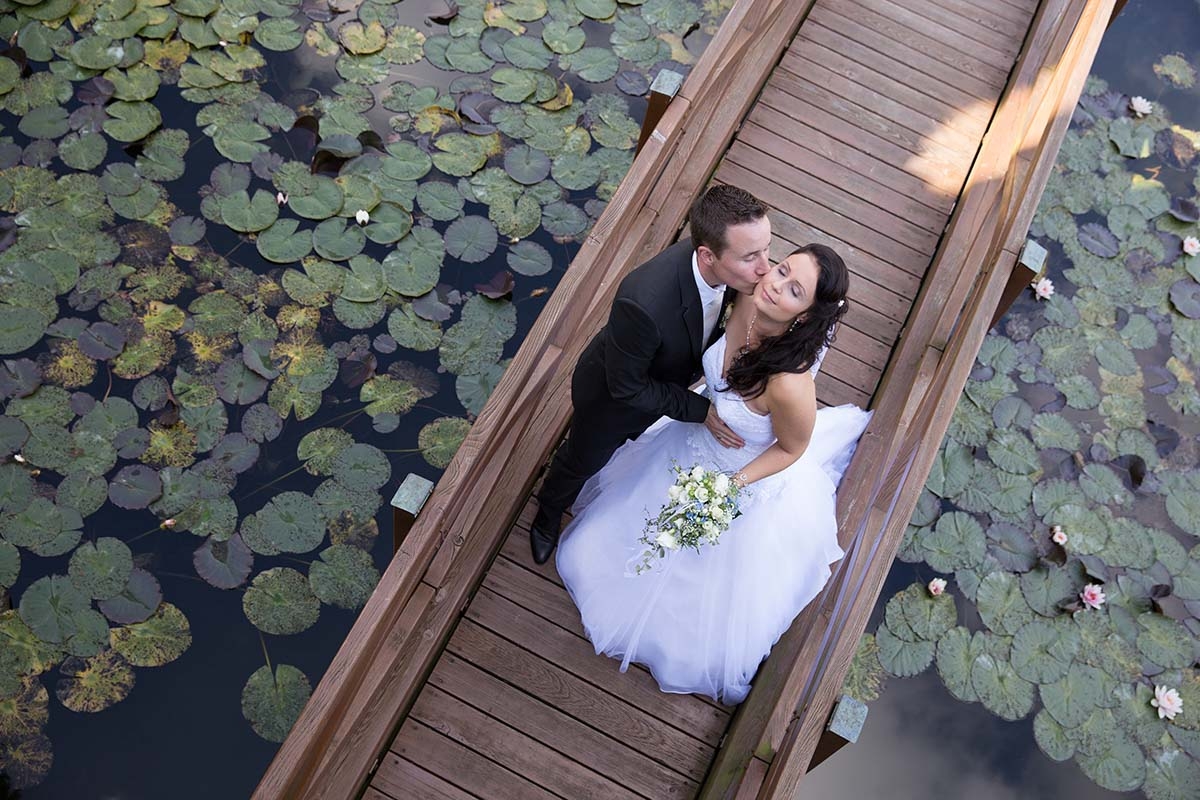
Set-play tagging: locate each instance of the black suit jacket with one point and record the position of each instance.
(640, 364)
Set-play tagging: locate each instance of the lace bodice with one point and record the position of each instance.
(755, 428)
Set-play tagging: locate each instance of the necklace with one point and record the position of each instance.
(749, 329)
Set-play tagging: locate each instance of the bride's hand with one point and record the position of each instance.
(720, 431)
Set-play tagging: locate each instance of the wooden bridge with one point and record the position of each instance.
(915, 136)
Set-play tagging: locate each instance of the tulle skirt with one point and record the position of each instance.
(702, 622)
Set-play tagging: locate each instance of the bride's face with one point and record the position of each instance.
(787, 291)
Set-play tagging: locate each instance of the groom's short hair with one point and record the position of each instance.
(718, 208)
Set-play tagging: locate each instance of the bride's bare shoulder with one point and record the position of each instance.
(792, 390)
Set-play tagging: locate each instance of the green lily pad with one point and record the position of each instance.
(319, 449)
(272, 701)
(336, 240)
(282, 244)
(1051, 737)
(344, 576)
(1001, 690)
(1171, 775)
(279, 34)
(362, 466)
(439, 440)
(279, 601)
(1001, 604)
(137, 601)
(530, 259)
(471, 239)
(1045, 588)
(900, 658)
(1072, 698)
(384, 394)
(389, 223)
(59, 613)
(1053, 430)
(10, 564)
(364, 281)
(292, 521)
(47, 122)
(157, 641)
(477, 340)
(957, 650)
(1120, 767)
(1164, 641)
(957, 541)
(1012, 547)
(1013, 452)
(1042, 651)
(440, 200)
(101, 569)
(247, 214)
(411, 331)
(562, 37)
(407, 162)
(96, 683)
(460, 154)
(593, 64)
(131, 122)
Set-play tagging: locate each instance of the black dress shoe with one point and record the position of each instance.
(542, 542)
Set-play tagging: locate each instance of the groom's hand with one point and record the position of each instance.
(720, 431)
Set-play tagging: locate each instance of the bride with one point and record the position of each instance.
(702, 622)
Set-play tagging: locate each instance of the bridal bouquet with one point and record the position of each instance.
(700, 505)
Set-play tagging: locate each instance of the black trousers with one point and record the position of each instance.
(599, 426)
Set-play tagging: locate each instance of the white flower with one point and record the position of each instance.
(362, 217)
(281, 199)
(1191, 246)
(1141, 106)
(702, 494)
(1167, 701)
(674, 491)
(721, 484)
(667, 541)
(223, 43)
(1044, 288)
(1058, 535)
(937, 586)
(697, 473)
(20, 459)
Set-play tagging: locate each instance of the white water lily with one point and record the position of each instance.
(1191, 246)
(1141, 106)
(1043, 288)
(362, 217)
(281, 199)
(1167, 701)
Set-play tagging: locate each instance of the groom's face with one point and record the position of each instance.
(745, 258)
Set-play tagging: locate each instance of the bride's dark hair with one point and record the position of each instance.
(796, 349)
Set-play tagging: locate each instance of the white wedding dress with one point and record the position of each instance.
(704, 621)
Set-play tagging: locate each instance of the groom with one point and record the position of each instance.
(639, 366)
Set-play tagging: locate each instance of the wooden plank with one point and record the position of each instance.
(576, 697)
(564, 734)
(964, 19)
(799, 207)
(516, 549)
(860, 167)
(536, 595)
(943, 31)
(687, 713)
(884, 76)
(894, 64)
(809, 64)
(936, 158)
(400, 779)
(829, 197)
(462, 766)
(510, 747)
(918, 59)
(833, 392)
(878, 15)
(800, 166)
(997, 16)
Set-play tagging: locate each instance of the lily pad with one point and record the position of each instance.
(1001, 690)
(225, 565)
(1072, 698)
(900, 658)
(159, 640)
(272, 701)
(957, 650)
(279, 601)
(1001, 604)
(471, 239)
(440, 439)
(101, 569)
(344, 576)
(137, 601)
(292, 522)
(96, 683)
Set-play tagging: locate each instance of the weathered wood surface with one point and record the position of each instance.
(776, 732)
(467, 674)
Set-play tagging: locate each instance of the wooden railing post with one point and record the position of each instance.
(1029, 266)
(846, 722)
(406, 504)
(662, 91)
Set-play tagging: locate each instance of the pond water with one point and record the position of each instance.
(1081, 412)
(215, 374)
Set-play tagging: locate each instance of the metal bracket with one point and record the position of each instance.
(407, 502)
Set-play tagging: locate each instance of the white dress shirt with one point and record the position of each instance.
(710, 300)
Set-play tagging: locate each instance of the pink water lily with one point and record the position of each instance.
(1058, 535)
(1191, 245)
(1093, 596)
(1044, 288)
(1140, 106)
(1167, 701)
(937, 586)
